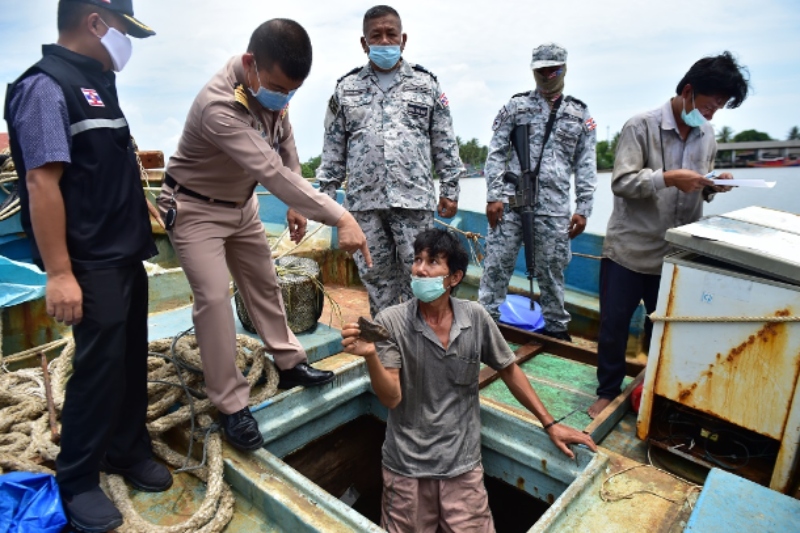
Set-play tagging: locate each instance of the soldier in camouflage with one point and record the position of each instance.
(387, 125)
(570, 149)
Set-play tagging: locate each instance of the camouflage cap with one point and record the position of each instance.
(548, 55)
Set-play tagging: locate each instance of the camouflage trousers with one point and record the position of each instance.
(390, 236)
(551, 253)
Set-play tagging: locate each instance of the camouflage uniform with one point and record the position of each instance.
(569, 150)
(386, 143)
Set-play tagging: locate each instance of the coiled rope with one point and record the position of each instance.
(174, 378)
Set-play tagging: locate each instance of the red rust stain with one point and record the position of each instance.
(520, 483)
(544, 465)
(551, 499)
(742, 369)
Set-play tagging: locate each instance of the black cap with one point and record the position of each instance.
(124, 8)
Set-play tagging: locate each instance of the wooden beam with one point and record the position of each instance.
(613, 413)
(523, 353)
(567, 350)
(152, 159)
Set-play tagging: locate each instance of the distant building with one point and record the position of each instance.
(758, 153)
(3, 141)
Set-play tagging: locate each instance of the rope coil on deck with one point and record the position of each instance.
(174, 377)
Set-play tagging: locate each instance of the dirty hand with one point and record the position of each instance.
(64, 299)
(576, 225)
(351, 238)
(297, 225)
(447, 207)
(494, 212)
(352, 343)
(563, 435)
(723, 188)
(686, 180)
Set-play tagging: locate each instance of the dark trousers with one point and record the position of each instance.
(621, 290)
(105, 406)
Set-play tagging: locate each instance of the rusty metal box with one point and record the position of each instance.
(719, 346)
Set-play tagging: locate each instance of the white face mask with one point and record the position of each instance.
(119, 47)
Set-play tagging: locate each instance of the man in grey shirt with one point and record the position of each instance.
(659, 182)
(427, 375)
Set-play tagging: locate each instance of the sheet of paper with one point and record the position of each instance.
(758, 184)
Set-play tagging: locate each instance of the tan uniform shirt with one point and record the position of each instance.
(227, 147)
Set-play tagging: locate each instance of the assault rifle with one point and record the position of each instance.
(526, 195)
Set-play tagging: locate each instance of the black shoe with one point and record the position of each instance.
(147, 475)
(241, 430)
(304, 375)
(92, 511)
(560, 335)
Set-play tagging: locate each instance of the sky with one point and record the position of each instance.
(625, 56)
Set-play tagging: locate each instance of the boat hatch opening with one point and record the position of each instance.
(347, 464)
(332, 436)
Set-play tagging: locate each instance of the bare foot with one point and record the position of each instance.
(598, 406)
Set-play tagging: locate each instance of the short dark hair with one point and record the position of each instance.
(71, 14)
(377, 12)
(284, 42)
(718, 75)
(438, 241)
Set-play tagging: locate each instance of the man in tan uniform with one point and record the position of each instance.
(237, 135)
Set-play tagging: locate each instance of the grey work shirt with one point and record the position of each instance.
(644, 207)
(435, 430)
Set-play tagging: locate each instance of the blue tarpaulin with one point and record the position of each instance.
(30, 503)
(516, 311)
(19, 282)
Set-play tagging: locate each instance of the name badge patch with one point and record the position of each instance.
(418, 110)
(93, 98)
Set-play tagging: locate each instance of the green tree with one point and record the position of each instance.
(725, 135)
(309, 168)
(472, 153)
(605, 153)
(794, 134)
(750, 136)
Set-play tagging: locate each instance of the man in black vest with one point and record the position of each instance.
(86, 216)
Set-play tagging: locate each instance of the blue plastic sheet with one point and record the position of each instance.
(30, 503)
(20, 282)
(516, 311)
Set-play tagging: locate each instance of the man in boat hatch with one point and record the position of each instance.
(659, 183)
(86, 216)
(387, 127)
(427, 375)
(238, 135)
(568, 150)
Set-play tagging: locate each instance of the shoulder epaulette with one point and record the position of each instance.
(349, 73)
(525, 93)
(573, 99)
(240, 96)
(420, 68)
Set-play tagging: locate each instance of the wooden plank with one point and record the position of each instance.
(563, 349)
(523, 353)
(152, 159)
(613, 413)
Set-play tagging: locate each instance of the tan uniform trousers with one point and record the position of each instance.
(426, 505)
(211, 241)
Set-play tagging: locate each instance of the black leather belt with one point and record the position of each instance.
(170, 181)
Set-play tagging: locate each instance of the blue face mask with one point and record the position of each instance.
(693, 119)
(272, 100)
(385, 57)
(428, 289)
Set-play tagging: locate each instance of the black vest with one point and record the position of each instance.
(106, 216)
